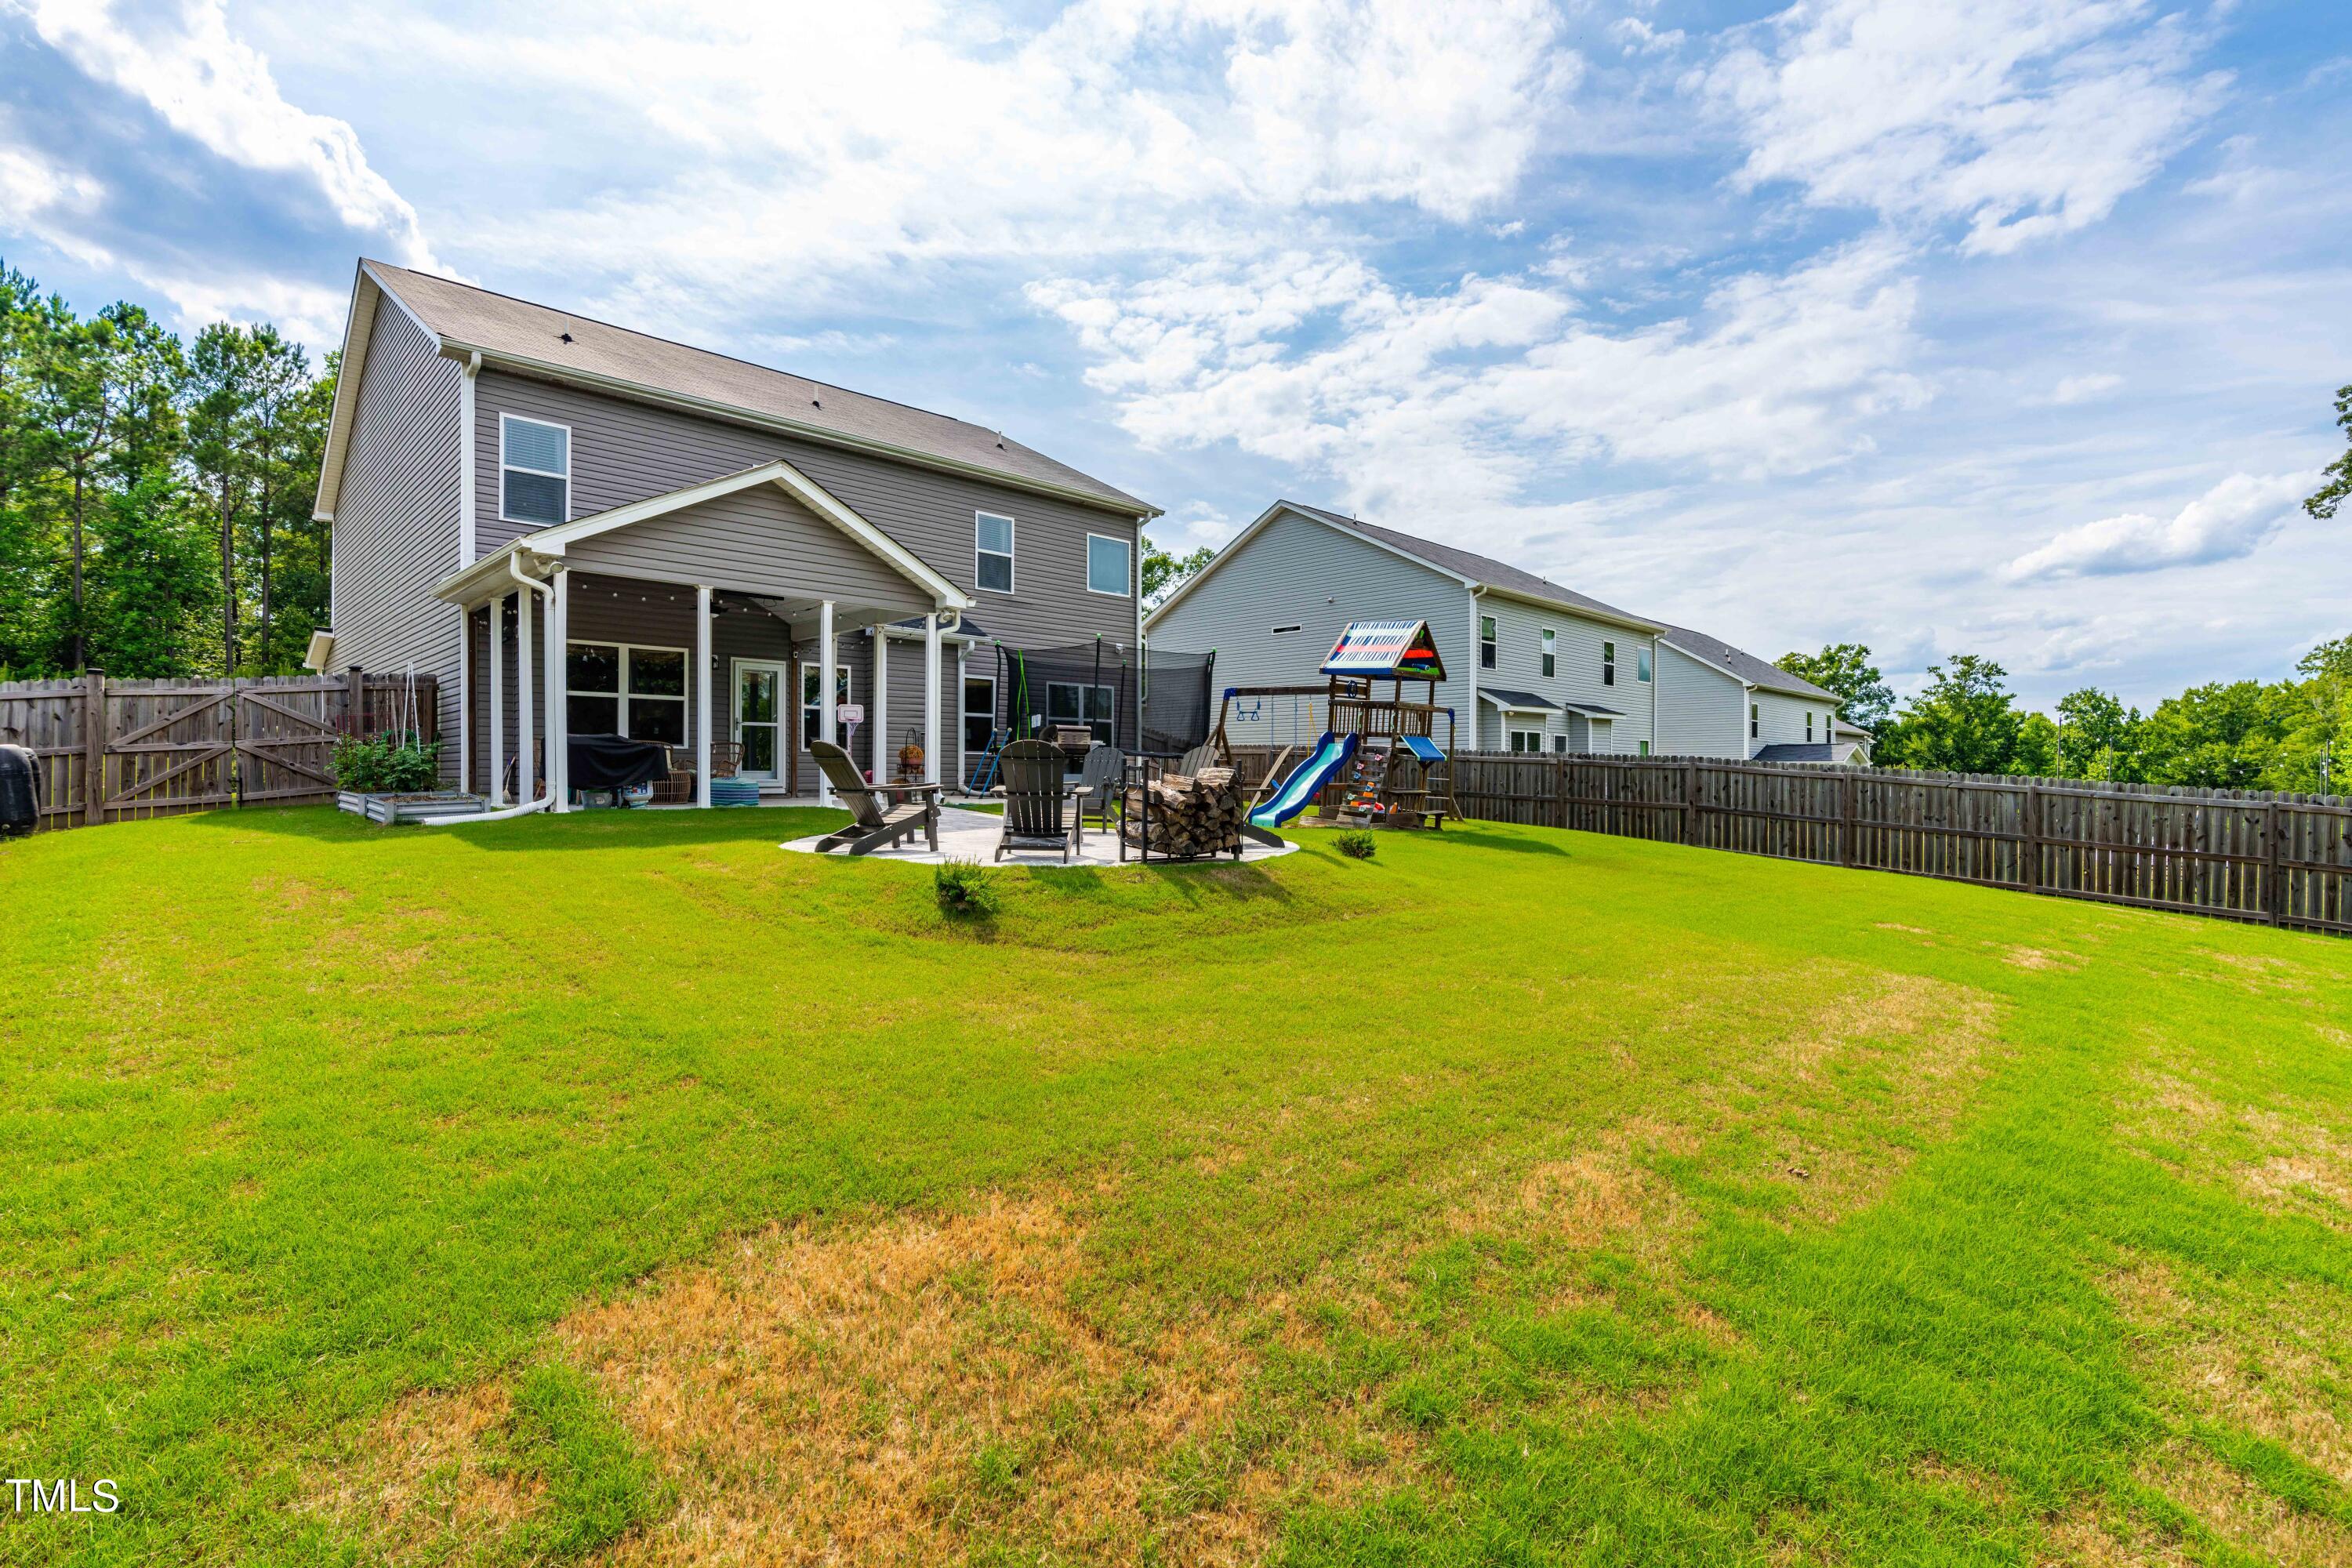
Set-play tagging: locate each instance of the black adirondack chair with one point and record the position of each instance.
(1038, 800)
(880, 814)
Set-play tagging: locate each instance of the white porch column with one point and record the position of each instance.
(880, 719)
(499, 700)
(559, 684)
(466, 696)
(523, 697)
(828, 685)
(931, 698)
(702, 696)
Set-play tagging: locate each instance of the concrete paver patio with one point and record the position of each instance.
(971, 836)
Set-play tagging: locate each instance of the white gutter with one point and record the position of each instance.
(522, 678)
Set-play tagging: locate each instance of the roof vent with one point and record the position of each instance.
(816, 402)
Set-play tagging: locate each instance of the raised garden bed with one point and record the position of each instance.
(423, 806)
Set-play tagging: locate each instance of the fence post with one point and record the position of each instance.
(1847, 789)
(1690, 802)
(2034, 838)
(2274, 883)
(355, 699)
(1560, 791)
(93, 741)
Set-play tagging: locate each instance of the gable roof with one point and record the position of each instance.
(1392, 650)
(538, 339)
(1466, 567)
(1740, 664)
(468, 584)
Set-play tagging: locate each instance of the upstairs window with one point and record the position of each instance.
(1106, 566)
(1809, 726)
(1486, 642)
(1755, 721)
(1551, 652)
(535, 472)
(1609, 663)
(1642, 664)
(992, 539)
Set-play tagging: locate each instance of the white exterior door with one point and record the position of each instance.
(758, 717)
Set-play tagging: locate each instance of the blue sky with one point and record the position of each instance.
(2007, 328)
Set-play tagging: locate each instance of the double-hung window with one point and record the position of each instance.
(812, 701)
(1486, 642)
(535, 472)
(1809, 726)
(991, 546)
(1074, 702)
(1107, 565)
(1609, 663)
(1551, 652)
(618, 688)
(1755, 721)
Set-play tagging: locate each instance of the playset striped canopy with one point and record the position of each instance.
(1386, 650)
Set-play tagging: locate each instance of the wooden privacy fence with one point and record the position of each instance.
(111, 751)
(2282, 859)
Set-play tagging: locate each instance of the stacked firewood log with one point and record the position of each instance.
(1195, 814)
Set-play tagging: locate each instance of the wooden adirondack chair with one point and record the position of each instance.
(1101, 775)
(1036, 796)
(881, 815)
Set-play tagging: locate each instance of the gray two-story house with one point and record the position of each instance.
(1534, 666)
(580, 528)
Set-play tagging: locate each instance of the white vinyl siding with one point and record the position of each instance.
(1297, 572)
(1702, 712)
(1781, 718)
(1576, 661)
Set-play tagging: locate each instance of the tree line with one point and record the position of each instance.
(2294, 734)
(155, 493)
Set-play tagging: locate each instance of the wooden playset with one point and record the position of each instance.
(1382, 750)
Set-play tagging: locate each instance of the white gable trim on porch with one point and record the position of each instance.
(485, 575)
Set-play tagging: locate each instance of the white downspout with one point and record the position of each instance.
(523, 705)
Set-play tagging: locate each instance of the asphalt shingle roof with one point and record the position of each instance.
(502, 324)
(1477, 567)
(1755, 671)
(1524, 701)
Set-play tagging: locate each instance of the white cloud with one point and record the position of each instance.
(40, 198)
(1451, 403)
(1640, 38)
(2083, 388)
(2234, 518)
(210, 87)
(2020, 117)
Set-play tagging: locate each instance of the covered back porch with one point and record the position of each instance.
(713, 621)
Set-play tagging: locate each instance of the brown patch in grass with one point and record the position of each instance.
(2088, 1536)
(1907, 930)
(2246, 1515)
(908, 1389)
(429, 1484)
(2043, 957)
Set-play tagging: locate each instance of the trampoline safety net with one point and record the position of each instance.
(1106, 686)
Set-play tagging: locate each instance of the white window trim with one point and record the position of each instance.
(504, 420)
(1109, 686)
(1559, 745)
(1490, 652)
(1609, 663)
(626, 649)
(1548, 653)
(1642, 664)
(964, 709)
(1512, 732)
(1125, 592)
(1012, 556)
(735, 668)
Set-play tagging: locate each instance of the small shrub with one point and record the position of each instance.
(1357, 845)
(965, 888)
(387, 764)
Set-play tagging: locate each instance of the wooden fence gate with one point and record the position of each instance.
(114, 751)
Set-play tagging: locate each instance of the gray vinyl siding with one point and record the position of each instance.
(763, 541)
(624, 451)
(1576, 677)
(1782, 716)
(1295, 570)
(1702, 712)
(396, 527)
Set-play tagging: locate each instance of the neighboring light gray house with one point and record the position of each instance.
(1536, 666)
(1717, 700)
(581, 529)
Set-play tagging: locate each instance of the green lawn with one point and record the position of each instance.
(619, 1188)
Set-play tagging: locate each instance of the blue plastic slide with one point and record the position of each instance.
(1306, 782)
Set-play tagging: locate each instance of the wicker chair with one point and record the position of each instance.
(678, 789)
